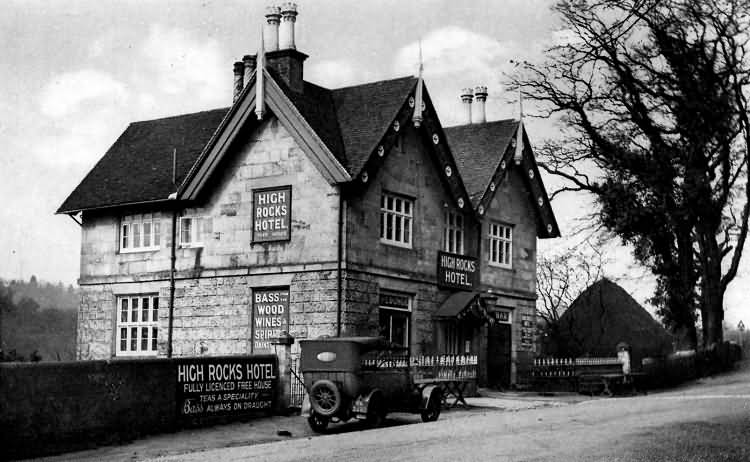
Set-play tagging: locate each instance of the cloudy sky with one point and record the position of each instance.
(75, 73)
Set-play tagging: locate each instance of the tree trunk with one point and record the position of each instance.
(712, 307)
(683, 294)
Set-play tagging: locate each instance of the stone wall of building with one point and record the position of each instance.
(410, 171)
(361, 315)
(97, 316)
(268, 158)
(212, 315)
(511, 206)
(214, 282)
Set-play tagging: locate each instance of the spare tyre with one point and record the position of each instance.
(325, 397)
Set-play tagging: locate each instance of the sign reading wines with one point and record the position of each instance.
(457, 271)
(272, 213)
(270, 317)
(210, 387)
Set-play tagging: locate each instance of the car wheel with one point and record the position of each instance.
(375, 412)
(325, 398)
(432, 412)
(317, 422)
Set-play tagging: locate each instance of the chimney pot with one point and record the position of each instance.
(467, 95)
(271, 28)
(480, 95)
(249, 62)
(286, 31)
(238, 73)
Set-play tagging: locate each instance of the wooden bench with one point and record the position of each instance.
(452, 389)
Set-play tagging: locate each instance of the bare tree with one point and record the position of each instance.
(652, 96)
(562, 277)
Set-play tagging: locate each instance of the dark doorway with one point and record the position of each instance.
(498, 355)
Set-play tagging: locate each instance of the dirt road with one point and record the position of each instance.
(706, 421)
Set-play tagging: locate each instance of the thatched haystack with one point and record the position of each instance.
(605, 315)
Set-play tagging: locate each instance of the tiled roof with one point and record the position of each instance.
(316, 105)
(138, 166)
(365, 112)
(477, 149)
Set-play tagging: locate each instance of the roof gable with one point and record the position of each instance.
(477, 149)
(430, 132)
(240, 116)
(484, 152)
(365, 113)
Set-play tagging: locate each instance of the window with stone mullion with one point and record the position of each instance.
(501, 245)
(137, 325)
(396, 220)
(453, 232)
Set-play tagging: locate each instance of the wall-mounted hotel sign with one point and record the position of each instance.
(270, 317)
(457, 271)
(272, 214)
(225, 386)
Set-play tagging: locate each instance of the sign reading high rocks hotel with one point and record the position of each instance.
(457, 271)
(272, 213)
(222, 386)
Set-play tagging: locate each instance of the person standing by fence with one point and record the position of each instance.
(623, 355)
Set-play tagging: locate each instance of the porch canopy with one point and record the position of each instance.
(460, 305)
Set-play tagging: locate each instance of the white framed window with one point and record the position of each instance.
(501, 245)
(137, 325)
(396, 215)
(394, 315)
(140, 233)
(453, 232)
(191, 231)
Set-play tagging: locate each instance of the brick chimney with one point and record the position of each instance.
(271, 28)
(249, 62)
(287, 61)
(480, 96)
(238, 74)
(467, 95)
(281, 53)
(286, 31)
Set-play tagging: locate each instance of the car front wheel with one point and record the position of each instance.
(325, 398)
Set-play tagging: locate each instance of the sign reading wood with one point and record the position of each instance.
(212, 387)
(457, 271)
(272, 214)
(270, 317)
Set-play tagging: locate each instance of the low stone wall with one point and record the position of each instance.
(48, 408)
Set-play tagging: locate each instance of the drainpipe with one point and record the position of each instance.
(339, 262)
(172, 280)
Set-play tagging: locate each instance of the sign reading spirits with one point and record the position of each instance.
(270, 317)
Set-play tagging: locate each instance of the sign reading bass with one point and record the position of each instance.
(457, 271)
(270, 317)
(208, 387)
(272, 213)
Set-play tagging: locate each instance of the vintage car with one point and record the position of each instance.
(362, 378)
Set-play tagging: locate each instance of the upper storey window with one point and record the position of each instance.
(139, 233)
(396, 214)
(191, 231)
(453, 232)
(501, 245)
